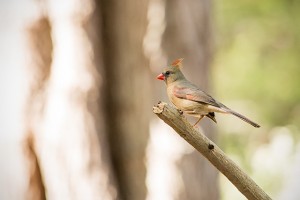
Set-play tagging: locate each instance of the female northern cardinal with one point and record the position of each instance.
(188, 98)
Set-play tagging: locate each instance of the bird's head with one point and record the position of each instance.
(172, 73)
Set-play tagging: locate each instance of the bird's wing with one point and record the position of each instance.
(193, 93)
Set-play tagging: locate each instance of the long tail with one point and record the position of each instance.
(245, 119)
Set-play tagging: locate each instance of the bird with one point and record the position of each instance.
(190, 99)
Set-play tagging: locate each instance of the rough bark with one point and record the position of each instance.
(210, 151)
(127, 95)
(188, 35)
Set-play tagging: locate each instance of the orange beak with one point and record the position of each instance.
(161, 77)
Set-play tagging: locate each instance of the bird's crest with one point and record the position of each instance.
(177, 62)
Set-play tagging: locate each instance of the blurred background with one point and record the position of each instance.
(77, 86)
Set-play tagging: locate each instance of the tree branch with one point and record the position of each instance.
(211, 151)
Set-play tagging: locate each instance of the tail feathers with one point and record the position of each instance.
(245, 119)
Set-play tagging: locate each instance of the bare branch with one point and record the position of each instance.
(211, 151)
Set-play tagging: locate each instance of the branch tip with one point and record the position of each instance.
(159, 108)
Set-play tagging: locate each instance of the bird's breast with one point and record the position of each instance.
(190, 107)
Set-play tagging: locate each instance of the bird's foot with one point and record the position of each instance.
(196, 126)
(201, 117)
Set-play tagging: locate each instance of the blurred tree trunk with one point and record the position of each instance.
(40, 46)
(188, 34)
(65, 142)
(127, 91)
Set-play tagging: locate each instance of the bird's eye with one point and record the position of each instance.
(167, 72)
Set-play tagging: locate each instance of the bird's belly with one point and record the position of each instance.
(191, 107)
